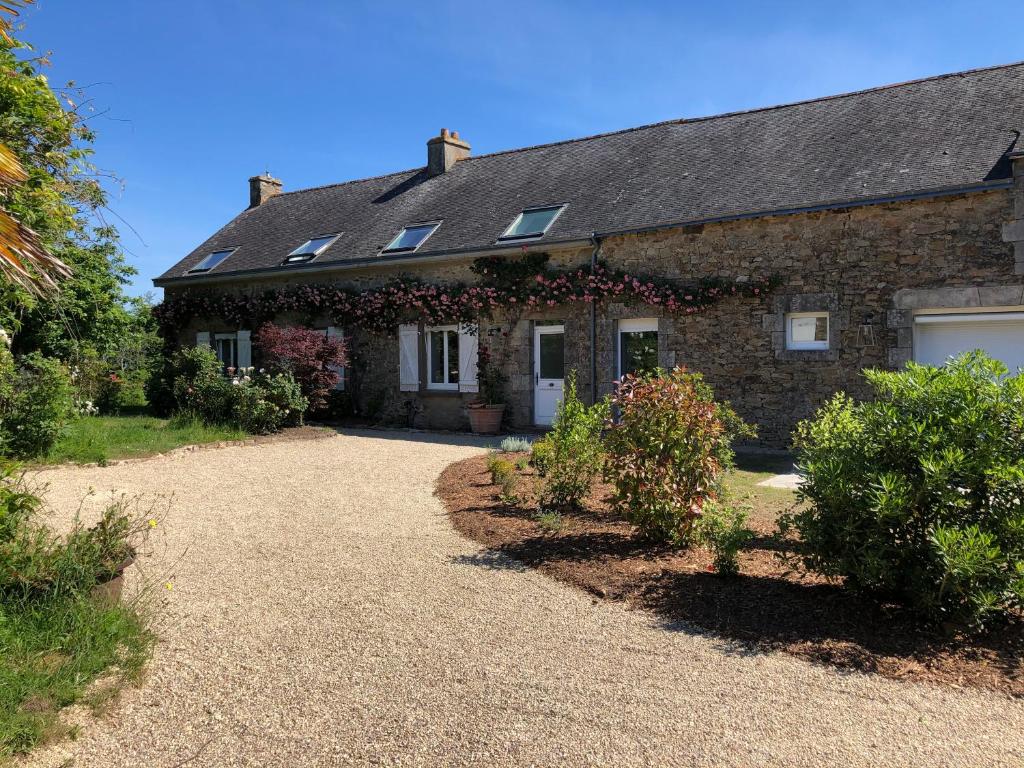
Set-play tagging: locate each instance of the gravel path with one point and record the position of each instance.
(324, 613)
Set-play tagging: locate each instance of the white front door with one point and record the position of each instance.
(548, 371)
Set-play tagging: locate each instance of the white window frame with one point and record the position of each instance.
(819, 345)
(642, 325)
(446, 385)
(532, 235)
(433, 228)
(233, 337)
(307, 257)
(198, 269)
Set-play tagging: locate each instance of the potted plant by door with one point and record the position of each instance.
(486, 413)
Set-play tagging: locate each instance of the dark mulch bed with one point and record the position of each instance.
(768, 607)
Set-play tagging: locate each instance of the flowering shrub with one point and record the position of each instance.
(667, 450)
(527, 283)
(917, 494)
(36, 402)
(574, 451)
(310, 356)
(258, 403)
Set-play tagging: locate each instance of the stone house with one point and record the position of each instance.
(890, 222)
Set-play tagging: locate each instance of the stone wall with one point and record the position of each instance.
(864, 265)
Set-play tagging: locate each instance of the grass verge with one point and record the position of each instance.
(51, 653)
(105, 438)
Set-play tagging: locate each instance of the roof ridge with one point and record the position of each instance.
(734, 113)
(350, 181)
(678, 121)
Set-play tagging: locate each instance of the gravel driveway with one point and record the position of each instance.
(324, 613)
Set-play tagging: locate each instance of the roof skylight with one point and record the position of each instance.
(411, 237)
(212, 260)
(310, 249)
(532, 222)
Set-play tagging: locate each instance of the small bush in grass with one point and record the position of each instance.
(309, 356)
(722, 528)
(916, 495)
(549, 521)
(667, 450)
(523, 463)
(55, 638)
(540, 456)
(514, 444)
(575, 451)
(36, 403)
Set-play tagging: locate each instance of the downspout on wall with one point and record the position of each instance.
(593, 323)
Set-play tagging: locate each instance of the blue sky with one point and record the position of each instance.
(195, 96)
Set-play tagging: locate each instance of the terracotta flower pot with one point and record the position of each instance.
(109, 591)
(485, 419)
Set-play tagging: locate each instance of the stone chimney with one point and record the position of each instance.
(262, 188)
(444, 151)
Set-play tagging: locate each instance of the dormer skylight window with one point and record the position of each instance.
(411, 237)
(532, 222)
(310, 249)
(211, 261)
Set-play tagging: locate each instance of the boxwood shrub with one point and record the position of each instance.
(918, 494)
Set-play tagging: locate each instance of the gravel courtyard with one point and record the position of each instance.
(324, 613)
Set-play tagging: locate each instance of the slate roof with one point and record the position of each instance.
(938, 133)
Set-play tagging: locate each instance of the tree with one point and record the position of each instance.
(24, 261)
(61, 201)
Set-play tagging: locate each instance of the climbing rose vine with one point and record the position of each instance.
(524, 284)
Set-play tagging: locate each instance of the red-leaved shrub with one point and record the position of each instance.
(310, 356)
(667, 449)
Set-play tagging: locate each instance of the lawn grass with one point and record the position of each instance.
(50, 654)
(105, 438)
(742, 482)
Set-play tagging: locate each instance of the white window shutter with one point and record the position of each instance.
(203, 339)
(409, 357)
(337, 333)
(244, 349)
(469, 344)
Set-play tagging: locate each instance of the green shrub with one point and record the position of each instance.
(512, 444)
(523, 463)
(667, 450)
(576, 453)
(540, 456)
(548, 521)
(36, 403)
(722, 528)
(500, 469)
(916, 495)
(255, 402)
(284, 392)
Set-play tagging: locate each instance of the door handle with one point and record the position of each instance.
(536, 378)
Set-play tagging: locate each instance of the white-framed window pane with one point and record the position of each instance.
(639, 351)
(226, 347)
(411, 238)
(437, 364)
(442, 358)
(532, 223)
(807, 330)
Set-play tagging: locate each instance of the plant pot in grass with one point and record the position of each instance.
(111, 583)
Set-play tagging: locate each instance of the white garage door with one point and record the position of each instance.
(1000, 334)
